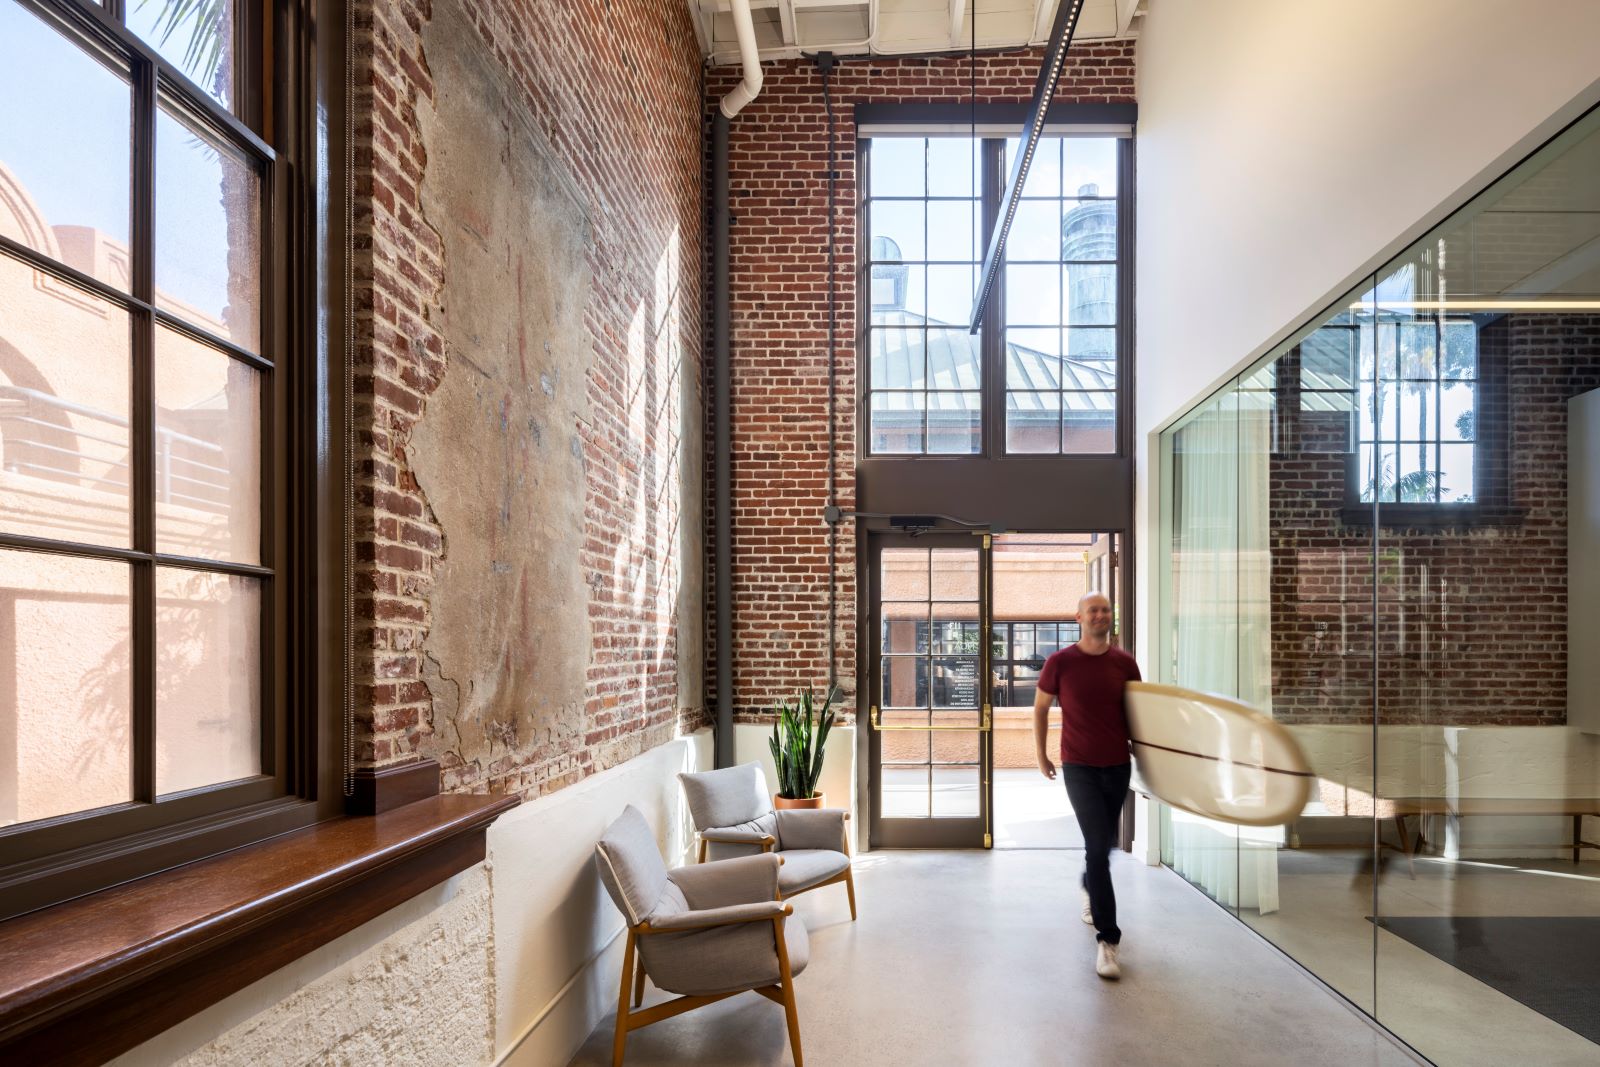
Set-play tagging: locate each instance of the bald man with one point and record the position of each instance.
(1089, 678)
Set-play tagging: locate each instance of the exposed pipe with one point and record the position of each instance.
(744, 29)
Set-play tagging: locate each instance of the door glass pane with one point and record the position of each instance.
(65, 371)
(955, 682)
(66, 685)
(904, 576)
(208, 452)
(905, 682)
(956, 791)
(905, 628)
(955, 574)
(905, 746)
(208, 232)
(208, 678)
(65, 150)
(195, 37)
(904, 791)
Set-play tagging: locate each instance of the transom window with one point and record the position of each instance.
(1055, 321)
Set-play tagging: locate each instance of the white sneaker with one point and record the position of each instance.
(1105, 961)
(1088, 912)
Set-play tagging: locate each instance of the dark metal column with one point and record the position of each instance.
(722, 503)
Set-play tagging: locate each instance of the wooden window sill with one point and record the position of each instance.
(86, 980)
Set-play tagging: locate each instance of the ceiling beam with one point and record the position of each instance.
(1043, 15)
(1126, 10)
(786, 20)
(702, 25)
(958, 15)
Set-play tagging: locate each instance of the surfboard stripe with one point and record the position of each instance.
(1219, 759)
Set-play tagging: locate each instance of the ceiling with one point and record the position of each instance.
(786, 28)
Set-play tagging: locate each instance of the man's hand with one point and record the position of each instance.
(1041, 732)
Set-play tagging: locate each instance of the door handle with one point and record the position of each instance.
(985, 724)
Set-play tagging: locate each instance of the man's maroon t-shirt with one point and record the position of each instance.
(1094, 723)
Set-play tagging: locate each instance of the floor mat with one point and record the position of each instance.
(1550, 964)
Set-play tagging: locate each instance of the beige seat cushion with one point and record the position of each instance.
(805, 867)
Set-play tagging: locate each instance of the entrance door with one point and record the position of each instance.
(929, 714)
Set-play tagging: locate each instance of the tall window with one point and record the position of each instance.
(1061, 300)
(140, 540)
(923, 257)
(1055, 324)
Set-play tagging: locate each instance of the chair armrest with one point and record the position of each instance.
(811, 828)
(760, 911)
(739, 837)
(722, 883)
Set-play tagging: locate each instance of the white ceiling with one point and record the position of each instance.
(786, 28)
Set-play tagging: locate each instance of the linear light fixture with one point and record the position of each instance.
(1043, 91)
(1477, 305)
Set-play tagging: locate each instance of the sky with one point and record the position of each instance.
(65, 133)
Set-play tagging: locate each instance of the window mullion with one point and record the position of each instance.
(142, 424)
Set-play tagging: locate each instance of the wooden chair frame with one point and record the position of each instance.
(633, 975)
(768, 842)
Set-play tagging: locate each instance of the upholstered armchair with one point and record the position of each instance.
(706, 932)
(734, 817)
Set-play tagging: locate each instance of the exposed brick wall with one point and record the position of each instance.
(1471, 621)
(615, 86)
(778, 157)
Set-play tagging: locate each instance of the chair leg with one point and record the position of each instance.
(638, 983)
(620, 1042)
(850, 888)
(790, 1010)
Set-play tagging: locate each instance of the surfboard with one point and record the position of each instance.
(1216, 757)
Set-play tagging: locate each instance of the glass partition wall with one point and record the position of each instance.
(1387, 535)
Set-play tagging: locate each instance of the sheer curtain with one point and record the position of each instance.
(1220, 624)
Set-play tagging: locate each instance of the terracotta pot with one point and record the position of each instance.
(815, 801)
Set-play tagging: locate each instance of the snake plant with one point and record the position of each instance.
(797, 742)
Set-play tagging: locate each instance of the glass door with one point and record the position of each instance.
(929, 745)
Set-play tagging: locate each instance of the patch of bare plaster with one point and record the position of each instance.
(497, 449)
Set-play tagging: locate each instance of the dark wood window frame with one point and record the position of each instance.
(53, 859)
(121, 929)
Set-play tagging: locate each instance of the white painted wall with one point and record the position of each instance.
(557, 954)
(838, 768)
(513, 961)
(1285, 150)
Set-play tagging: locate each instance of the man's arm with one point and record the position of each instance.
(1041, 732)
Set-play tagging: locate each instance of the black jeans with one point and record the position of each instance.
(1097, 794)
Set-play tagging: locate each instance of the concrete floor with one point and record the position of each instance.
(980, 958)
(1031, 811)
(1449, 1016)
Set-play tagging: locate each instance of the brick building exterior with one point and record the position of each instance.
(778, 163)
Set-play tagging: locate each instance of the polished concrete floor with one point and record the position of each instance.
(1031, 811)
(1325, 897)
(980, 958)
